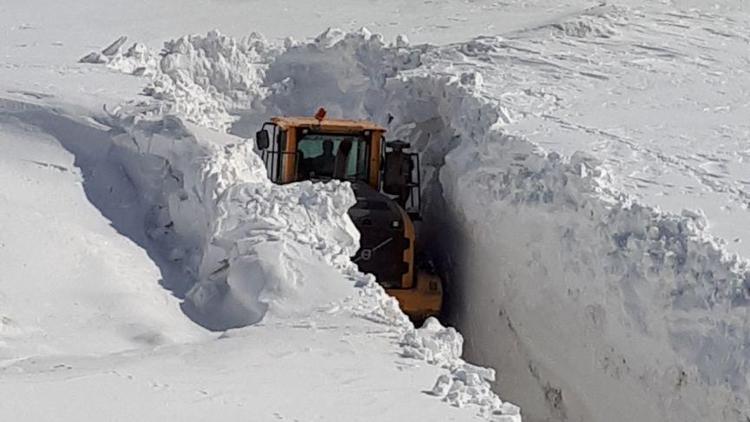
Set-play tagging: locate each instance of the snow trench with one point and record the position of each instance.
(592, 306)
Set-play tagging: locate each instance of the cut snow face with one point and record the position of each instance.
(568, 276)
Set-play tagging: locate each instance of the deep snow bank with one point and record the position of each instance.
(238, 235)
(593, 306)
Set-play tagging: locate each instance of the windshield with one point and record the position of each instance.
(325, 156)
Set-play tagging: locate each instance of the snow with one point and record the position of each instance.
(585, 182)
(116, 304)
(433, 344)
(323, 367)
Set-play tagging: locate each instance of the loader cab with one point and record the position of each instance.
(305, 148)
(385, 180)
(300, 148)
(329, 156)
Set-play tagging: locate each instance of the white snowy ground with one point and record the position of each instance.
(558, 157)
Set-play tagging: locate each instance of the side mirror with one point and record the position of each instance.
(262, 139)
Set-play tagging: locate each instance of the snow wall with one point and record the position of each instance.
(591, 305)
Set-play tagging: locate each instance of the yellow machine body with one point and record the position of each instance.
(419, 293)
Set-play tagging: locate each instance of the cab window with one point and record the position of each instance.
(326, 156)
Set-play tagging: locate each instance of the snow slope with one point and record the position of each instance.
(91, 290)
(557, 172)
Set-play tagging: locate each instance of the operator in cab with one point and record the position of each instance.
(323, 164)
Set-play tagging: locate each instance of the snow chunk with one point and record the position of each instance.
(433, 343)
(470, 385)
(138, 60)
(253, 247)
(114, 48)
(204, 77)
(465, 384)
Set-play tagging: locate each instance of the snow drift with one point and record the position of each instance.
(75, 279)
(592, 305)
(240, 237)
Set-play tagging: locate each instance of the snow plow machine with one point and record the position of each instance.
(385, 178)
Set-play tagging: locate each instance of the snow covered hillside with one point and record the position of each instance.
(585, 199)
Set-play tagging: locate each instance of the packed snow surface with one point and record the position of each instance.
(584, 178)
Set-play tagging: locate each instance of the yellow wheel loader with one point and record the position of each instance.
(386, 181)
